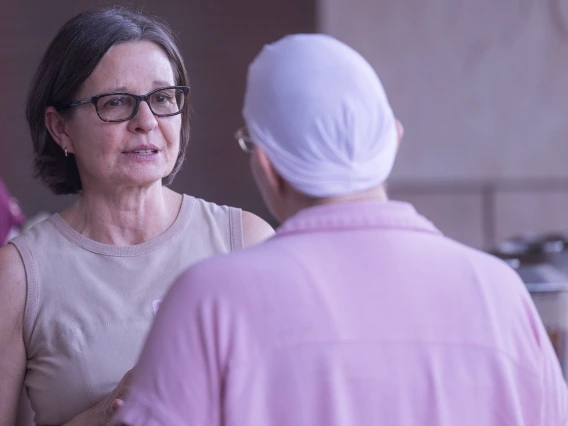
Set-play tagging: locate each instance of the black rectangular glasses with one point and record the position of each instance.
(122, 106)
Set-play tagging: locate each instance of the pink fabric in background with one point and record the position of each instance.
(10, 213)
(354, 314)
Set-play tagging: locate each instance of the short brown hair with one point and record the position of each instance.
(68, 61)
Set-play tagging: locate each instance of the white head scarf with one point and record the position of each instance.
(318, 110)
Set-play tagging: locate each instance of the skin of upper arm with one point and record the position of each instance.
(255, 229)
(12, 349)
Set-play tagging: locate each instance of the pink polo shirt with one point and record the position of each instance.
(353, 314)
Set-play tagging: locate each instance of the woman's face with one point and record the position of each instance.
(137, 152)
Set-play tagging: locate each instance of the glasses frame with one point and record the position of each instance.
(242, 138)
(139, 98)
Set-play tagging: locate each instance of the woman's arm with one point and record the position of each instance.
(25, 413)
(12, 349)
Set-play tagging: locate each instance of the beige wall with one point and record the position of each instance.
(482, 88)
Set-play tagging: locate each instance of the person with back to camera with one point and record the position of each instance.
(109, 119)
(359, 311)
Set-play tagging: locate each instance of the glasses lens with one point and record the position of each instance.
(116, 107)
(245, 141)
(167, 101)
(246, 145)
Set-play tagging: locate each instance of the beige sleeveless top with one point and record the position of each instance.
(89, 305)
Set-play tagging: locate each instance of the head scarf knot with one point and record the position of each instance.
(318, 110)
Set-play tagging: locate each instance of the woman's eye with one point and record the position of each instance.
(114, 102)
(162, 98)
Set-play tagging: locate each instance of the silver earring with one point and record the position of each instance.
(65, 152)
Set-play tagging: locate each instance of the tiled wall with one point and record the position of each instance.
(482, 89)
(484, 213)
(457, 213)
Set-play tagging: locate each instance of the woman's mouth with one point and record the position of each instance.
(143, 153)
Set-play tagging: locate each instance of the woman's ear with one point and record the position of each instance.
(57, 127)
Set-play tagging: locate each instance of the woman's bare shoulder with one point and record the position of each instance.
(255, 229)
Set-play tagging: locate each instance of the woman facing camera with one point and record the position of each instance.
(109, 118)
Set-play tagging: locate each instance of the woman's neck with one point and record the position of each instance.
(126, 217)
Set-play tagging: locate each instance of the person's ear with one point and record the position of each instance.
(57, 127)
(399, 131)
(272, 177)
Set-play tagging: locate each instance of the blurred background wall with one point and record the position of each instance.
(481, 87)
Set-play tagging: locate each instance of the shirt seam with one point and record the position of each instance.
(31, 307)
(235, 228)
(152, 245)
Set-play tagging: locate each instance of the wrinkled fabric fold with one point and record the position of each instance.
(147, 414)
(319, 111)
